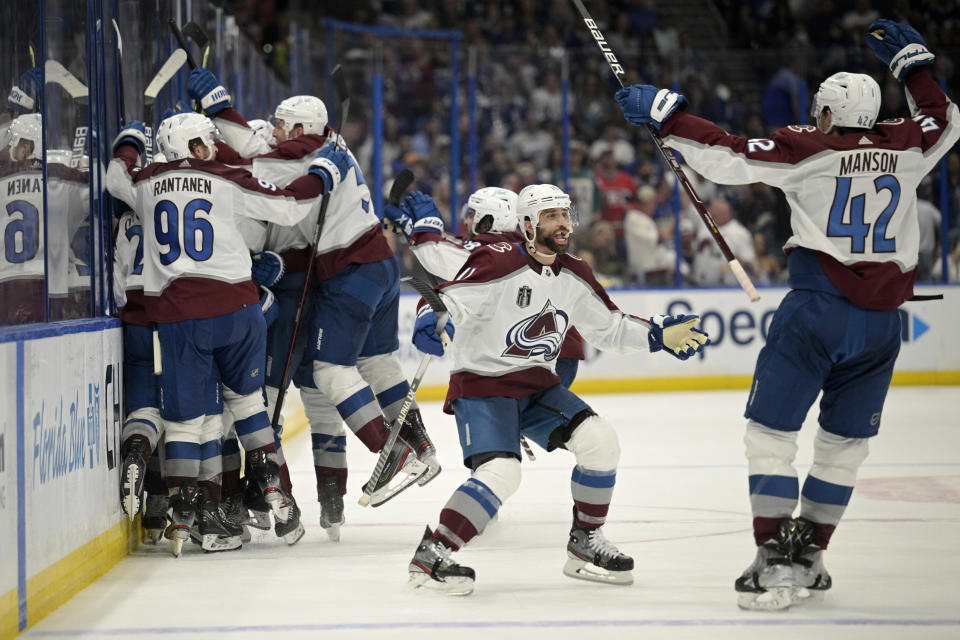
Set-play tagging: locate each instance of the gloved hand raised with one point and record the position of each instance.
(203, 87)
(331, 165)
(268, 267)
(133, 133)
(676, 335)
(394, 219)
(645, 104)
(422, 209)
(899, 46)
(23, 96)
(425, 336)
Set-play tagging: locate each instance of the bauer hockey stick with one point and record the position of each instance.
(166, 73)
(196, 33)
(340, 84)
(432, 298)
(668, 156)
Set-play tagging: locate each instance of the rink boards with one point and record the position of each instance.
(737, 329)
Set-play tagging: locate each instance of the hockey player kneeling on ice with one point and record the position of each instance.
(526, 296)
(851, 183)
(198, 291)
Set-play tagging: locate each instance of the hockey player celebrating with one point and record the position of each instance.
(526, 295)
(851, 183)
(197, 286)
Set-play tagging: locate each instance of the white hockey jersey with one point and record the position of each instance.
(511, 315)
(195, 262)
(852, 198)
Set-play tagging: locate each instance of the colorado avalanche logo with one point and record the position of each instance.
(538, 335)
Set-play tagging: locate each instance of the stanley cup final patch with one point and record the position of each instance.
(523, 296)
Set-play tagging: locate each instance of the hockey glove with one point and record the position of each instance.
(133, 134)
(268, 268)
(425, 337)
(269, 306)
(422, 209)
(645, 104)
(204, 88)
(394, 219)
(23, 96)
(899, 46)
(676, 335)
(331, 165)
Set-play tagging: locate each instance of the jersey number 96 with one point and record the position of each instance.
(175, 229)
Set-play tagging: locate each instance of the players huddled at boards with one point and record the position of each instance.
(225, 232)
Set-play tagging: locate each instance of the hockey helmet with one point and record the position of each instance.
(853, 99)
(26, 128)
(538, 197)
(307, 111)
(495, 202)
(175, 134)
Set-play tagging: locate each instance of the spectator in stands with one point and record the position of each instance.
(616, 188)
(709, 264)
(583, 190)
(649, 261)
(953, 259)
(609, 263)
(614, 140)
(532, 143)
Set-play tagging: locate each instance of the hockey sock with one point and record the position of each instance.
(230, 480)
(592, 491)
(326, 472)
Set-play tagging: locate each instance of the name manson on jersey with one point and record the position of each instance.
(182, 183)
(882, 161)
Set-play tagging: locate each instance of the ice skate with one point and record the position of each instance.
(216, 532)
(132, 473)
(236, 514)
(415, 433)
(257, 507)
(331, 506)
(432, 569)
(768, 583)
(809, 574)
(183, 512)
(154, 520)
(267, 474)
(590, 556)
(291, 529)
(400, 473)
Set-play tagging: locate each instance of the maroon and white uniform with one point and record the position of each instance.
(857, 209)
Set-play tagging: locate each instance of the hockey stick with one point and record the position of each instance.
(621, 76)
(56, 73)
(340, 83)
(433, 299)
(166, 72)
(196, 33)
(119, 43)
(178, 35)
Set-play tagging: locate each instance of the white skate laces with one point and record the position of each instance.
(590, 556)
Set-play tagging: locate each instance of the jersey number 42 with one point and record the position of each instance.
(856, 229)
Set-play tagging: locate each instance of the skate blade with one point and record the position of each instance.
(260, 520)
(131, 501)
(433, 470)
(773, 599)
(420, 582)
(213, 543)
(177, 535)
(576, 568)
(294, 536)
(246, 536)
(409, 476)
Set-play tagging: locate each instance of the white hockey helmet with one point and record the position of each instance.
(307, 111)
(853, 99)
(500, 204)
(264, 130)
(537, 197)
(175, 134)
(26, 128)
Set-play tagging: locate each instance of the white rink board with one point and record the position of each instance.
(8, 469)
(737, 328)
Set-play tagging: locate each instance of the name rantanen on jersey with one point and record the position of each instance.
(861, 161)
(181, 183)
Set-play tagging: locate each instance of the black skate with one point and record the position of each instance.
(133, 470)
(808, 570)
(236, 514)
(216, 532)
(590, 556)
(433, 569)
(331, 506)
(415, 433)
(768, 583)
(400, 472)
(258, 508)
(154, 520)
(291, 529)
(183, 513)
(267, 474)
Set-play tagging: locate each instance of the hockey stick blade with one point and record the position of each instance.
(178, 36)
(400, 185)
(56, 73)
(164, 75)
(196, 33)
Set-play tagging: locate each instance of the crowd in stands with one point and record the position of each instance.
(755, 75)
